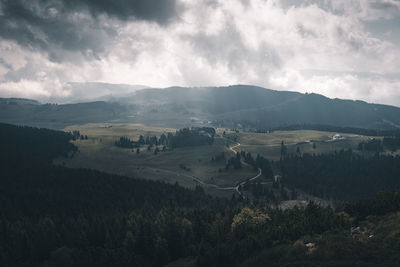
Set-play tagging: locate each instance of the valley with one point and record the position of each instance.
(162, 207)
(177, 133)
(100, 153)
(160, 179)
(238, 106)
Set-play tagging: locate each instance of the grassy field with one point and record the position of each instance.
(269, 144)
(99, 152)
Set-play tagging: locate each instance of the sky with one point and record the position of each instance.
(341, 48)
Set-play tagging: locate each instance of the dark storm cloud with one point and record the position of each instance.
(49, 31)
(73, 25)
(384, 5)
(160, 11)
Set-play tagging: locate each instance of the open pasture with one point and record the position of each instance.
(99, 152)
(185, 165)
(269, 144)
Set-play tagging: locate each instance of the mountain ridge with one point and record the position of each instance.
(252, 106)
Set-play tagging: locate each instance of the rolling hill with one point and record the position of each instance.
(269, 108)
(250, 105)
(32, 113)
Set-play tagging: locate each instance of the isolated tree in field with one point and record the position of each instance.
(153, 140)
(238, 156)
(283, 149)
(141, 140)
(249, 159)
(169, 138)
(235, 162)
(163, 140)
(75, 135)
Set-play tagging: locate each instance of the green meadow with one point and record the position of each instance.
(99, 152)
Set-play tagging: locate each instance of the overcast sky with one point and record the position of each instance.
(339, 48)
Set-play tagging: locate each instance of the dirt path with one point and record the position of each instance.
(200, 181)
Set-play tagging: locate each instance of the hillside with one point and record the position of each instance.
(55, 216)
(29, 112)
(270, 108)
(213, 100)
(250, 106)
(317, 109)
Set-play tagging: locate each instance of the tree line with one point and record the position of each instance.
(194, 136)
(342, 175)
(391, 143)
(338, 129)
(56, 216)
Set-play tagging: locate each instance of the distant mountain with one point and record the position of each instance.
(95, 91)
(58, 116)
(18, 101)
(269, 108)
(213, 100)
(250, 106)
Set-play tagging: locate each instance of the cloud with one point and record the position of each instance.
(319, 46)
(359, 9)
(76, 25)
(373, 87)
(151, 10)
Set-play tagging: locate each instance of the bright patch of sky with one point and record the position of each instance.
(343, 48)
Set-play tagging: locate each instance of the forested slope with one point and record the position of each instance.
(54, 216)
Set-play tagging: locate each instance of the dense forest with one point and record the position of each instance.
(55, 216)
(339, 129)
(343, 175)
(390, 143)
(319, 127)
(22, 145)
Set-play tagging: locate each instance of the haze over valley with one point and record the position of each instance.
(199, 133)
(249, 106)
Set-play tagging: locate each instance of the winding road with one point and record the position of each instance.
(244, 163)
(238, 185)
(198, 180)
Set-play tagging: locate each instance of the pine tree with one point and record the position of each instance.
(141, 140)
(283, 149)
